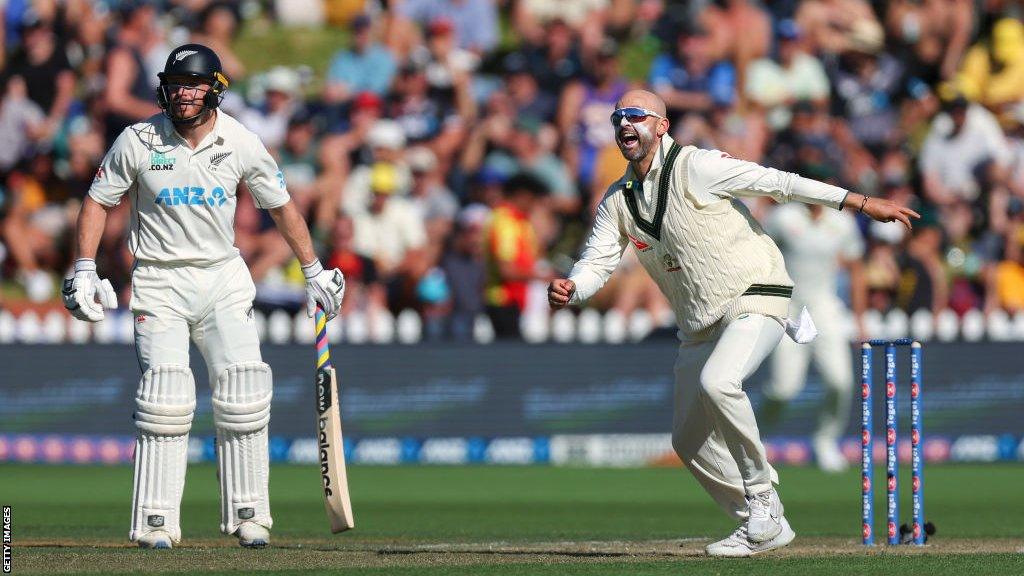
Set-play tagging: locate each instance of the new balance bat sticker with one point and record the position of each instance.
(333, 479)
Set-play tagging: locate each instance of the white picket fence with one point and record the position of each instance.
(538, 326)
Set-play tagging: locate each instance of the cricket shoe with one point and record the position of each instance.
(737, 545)
(252, 535)
(765, 516)
(829, 458)
(157, 539)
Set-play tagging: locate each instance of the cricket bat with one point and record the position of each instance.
(328, 433)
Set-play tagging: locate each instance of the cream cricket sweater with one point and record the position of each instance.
(698, 242)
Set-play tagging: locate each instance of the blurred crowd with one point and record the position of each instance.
(449, 159)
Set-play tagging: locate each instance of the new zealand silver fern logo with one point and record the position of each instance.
(184, 54)
(216, 159)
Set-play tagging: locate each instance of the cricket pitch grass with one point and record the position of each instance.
(511, 520)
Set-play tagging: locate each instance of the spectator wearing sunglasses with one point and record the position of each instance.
(727, 284)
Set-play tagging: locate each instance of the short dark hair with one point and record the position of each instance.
(525, 182)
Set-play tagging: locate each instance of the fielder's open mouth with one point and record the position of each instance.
(628, 138)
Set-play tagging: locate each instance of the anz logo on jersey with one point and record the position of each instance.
(191, 196)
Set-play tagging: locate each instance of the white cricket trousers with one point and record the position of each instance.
(832, 358)
(714, 429)
(211, 305)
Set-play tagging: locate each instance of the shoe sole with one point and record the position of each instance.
(254, 544)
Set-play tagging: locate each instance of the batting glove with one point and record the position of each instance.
(323, 287)
(81, 292)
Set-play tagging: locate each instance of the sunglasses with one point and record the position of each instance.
(632, 114)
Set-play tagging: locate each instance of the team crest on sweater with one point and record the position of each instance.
(670, 263)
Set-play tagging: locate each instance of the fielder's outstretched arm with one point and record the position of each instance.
(713, 174)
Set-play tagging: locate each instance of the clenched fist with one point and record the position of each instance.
(560, 292)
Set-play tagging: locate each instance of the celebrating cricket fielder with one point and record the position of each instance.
(816, 244)
(180, 170)
(727, 283)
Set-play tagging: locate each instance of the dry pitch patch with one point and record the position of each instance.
(83, 557)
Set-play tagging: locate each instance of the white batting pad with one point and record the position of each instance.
(241, 412)
(164, 404)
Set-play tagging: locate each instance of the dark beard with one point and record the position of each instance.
(640, 151)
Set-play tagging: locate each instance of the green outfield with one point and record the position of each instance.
(498, 520)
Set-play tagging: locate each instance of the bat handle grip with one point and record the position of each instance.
(323, 350)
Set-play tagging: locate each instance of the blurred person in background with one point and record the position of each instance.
(741, 32)
(32, 221)
(190, 283)
(1006, 282)
(524, 152)
(281, 98)
(365, 67)
(818, 245)
(969, 253)
(992, 72)
(922, 282)
(465, 270)
(386, 143)
(23, 127)
(868, 85)
(217, 27)
(46, 71)
(931, 35)
(794, 75)
(513, 254)
(690, 78)
(584, 109)
(965, 157)
(448, 67)
(391, 233)
(300, 159)
(439, 123)
(86, 49)
(436, 205)
(363, 290)
(590, 18)
(555, 59)
(475, 21)
(831, 24)
(128, 95)
(527, 95)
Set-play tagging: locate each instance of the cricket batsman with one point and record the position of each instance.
(727, 283)
(180, 170)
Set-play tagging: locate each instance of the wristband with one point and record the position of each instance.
(863, 203)
(312, 269)
(85, 265)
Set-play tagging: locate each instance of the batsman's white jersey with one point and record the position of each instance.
(813, 248)
(189, 282)
(727, 283)
(183, 200)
